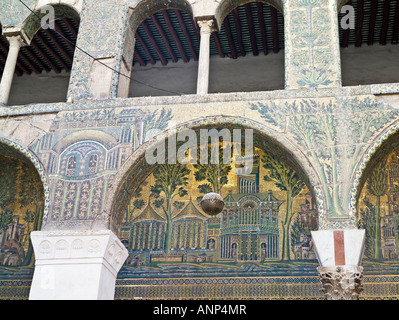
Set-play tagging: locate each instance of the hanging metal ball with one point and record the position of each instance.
(212, 203)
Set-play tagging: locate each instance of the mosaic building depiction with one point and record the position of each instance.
(92, 92)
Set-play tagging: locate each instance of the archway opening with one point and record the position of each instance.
(165, 55)
(263, 222)
(43, 67)
(369, 48)
(246, 53)
(21, 209)
(377, 205)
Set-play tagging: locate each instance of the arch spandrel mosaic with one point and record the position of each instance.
(257, 233)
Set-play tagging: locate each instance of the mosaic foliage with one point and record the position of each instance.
(334, 132)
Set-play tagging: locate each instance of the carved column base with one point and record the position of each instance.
(76, 265)
(341, 282)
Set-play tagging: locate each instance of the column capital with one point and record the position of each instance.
(16, 40)
(207, 24)
(341, 283)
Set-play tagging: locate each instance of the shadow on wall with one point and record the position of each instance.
(370, 65)
(40, 88)
(226, 75)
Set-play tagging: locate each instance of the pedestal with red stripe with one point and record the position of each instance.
(340, 253)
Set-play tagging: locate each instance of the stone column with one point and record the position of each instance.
(340, 253)
(102, 34)
(8, 74)
(76, 265)
(206, 27)
(312, 52)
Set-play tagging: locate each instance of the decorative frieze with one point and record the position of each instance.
(76, 265)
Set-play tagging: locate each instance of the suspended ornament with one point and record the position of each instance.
(212, 203)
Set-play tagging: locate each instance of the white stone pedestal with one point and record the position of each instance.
(339, 247)
(80, 265)
(340, 253)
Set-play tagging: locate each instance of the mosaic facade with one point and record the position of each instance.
(85, 169)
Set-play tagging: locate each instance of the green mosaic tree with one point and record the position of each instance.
(367, 222)
(215, 175)
(286, 179)
(131, 208)
(8, 179)
(377, 185)
(170, 180)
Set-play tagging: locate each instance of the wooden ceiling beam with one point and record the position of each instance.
(373, 15)
(27, 61)
(395, 32)
(62, 33)
(71, 28)
(218, 44)
(63, 53)
(230, 38)
(51, 51)
(359, 23)
(164, 37)
(145, 48)
(239, 32)
(154, 43)
(385, 20)
(251, 27)
(273, 12)
(36, 59)
(187, 34)
(44, 56)
(139, 58)
(262, 26)
(175, 36)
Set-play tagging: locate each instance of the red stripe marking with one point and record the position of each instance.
(339, 249)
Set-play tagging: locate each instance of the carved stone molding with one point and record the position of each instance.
(207, 26)
(341, 282)
(76, 265)
(75, 245)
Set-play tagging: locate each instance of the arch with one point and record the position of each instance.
(79, 161)
(370, 158)
(17, 151)
(135, 170)
(146, 8)
(226, 6)
(99, 136)
(32, 23)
